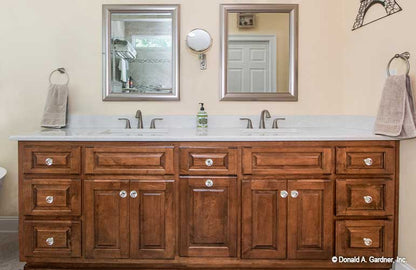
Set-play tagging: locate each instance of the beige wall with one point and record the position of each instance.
(276, 24)
(340, 72)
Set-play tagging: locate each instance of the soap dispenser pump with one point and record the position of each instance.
(202, 117)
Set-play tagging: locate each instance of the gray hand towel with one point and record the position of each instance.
(396, 116)
(55, 112)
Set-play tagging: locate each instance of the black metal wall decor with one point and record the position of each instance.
(391, 7)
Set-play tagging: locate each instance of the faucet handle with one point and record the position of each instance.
(153, 122)
(275, 124)
(249, 122)
(128, 126)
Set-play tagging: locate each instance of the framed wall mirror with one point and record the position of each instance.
(259, 52)
(140, 52)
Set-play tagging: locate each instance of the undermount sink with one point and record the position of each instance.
(268, 132)
(135, 132)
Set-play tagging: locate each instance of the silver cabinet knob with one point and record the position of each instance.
(368, 242)
(209, 162)
(368, 161)
(123, 194)
(294, 193)
(284, 194)
(368, 199)
(49, 161)
(49, 241)
(49, 199)
(209, 183)
(133, 194)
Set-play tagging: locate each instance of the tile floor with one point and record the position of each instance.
(9, 252)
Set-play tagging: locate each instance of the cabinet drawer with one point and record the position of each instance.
(54, 197)
(293, 160)
(365, 160)
(364, 238)
(129, 160)
(52, 238)
(367, 197)
(209, 161)
(51, 159)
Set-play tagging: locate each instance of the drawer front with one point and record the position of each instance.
(294, 160)
(52, 197)
(51, 159)
(209, 161)
(366, 197)
(129, 160)
(364, 238)
(52, 238)
(365, 160)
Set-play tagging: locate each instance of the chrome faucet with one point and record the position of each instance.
(140, 119)
(264, 114)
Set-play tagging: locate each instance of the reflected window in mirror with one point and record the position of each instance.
(259, 52)
(141, 52)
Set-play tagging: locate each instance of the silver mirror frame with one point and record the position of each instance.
(106, 57)
(293, 11)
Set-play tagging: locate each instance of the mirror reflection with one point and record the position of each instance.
(260, 52)
(142, 54)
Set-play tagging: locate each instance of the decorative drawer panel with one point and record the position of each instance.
(365, 160)
(209, 161)
(52, 238)
(365, 238)
(294, 160)
(366, 197)
(56, 197)
(129, 160)
(51, 159)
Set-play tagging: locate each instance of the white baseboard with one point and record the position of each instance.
(9, 224)
(402, 266)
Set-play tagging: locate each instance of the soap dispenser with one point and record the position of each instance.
(202, 117)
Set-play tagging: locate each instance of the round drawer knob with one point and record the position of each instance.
(368, 161)
(209, 162)
(123, 194)
(209, 183)
(367, 241)
(294, 193)
(49, 161)
(133, 194)
(49, 199)
(49, 241)
(368, 199)
(284, 194)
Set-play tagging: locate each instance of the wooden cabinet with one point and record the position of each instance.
(129, 219)
(264, 219)
(239, 205)
(310, 219)
(106, 218)
(208, 216)
(152, 219)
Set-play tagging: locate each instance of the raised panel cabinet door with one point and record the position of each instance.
(310, 219)
(208, 216)
(264, 219)
(106, 206)
(152, 219)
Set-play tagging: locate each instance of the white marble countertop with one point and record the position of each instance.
(222, 128)
(218, 134)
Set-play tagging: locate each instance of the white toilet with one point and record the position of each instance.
(3, 173)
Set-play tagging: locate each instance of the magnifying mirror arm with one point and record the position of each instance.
(203, 61)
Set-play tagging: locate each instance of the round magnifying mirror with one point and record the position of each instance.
(199, 40)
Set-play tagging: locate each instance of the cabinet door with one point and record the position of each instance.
(208, 216)
(106, 218)
(152, 219)
(264, 219)
(310, 219)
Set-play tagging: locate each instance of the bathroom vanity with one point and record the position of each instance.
(236, 203)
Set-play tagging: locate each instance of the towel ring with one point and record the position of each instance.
(60, 70)
(405, 57)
